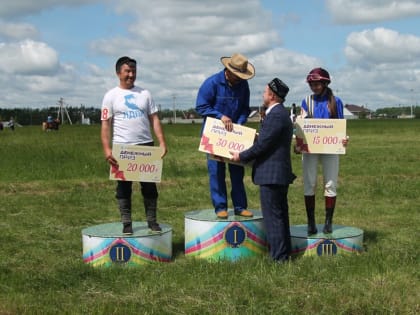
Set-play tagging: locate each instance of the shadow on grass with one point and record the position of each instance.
(178, 248)
(369, 237)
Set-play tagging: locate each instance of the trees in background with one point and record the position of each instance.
(36, 116)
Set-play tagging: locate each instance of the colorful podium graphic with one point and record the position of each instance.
(343, 240)
(215, 239)
(104, 245)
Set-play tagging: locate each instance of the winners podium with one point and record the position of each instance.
(214, 239)
(105, 245)
(343, 240)
(210, 238)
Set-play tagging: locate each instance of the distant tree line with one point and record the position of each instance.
(394, 112)
(36, 116)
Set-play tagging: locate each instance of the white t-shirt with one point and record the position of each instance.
(130, 110)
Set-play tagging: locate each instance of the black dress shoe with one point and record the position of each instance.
(127, 228)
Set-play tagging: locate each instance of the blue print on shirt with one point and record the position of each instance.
(135, 111)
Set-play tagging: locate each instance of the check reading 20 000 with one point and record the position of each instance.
(136, 163)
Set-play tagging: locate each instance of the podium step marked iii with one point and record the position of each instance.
(215, 239)
(104, 245)
(343, 240)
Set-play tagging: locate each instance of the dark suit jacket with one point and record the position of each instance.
(271, 151)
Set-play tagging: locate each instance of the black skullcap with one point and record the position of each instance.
(279, 87)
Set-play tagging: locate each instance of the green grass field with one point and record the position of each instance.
(55, 184)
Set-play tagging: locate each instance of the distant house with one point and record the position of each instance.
(348, 114)
(84, 120)
(5, 124)
(358, 111)
(255, 114)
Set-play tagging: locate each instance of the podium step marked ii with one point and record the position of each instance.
(104, 245)
(343, 240)
(215, 239)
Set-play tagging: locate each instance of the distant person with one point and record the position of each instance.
(272, 168)
(293, 113)
(12, 124)
(321, 104)
(50, 123)
(225, 96)
(262, 113)
(130, 112)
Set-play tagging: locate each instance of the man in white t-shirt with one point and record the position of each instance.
(130, 112)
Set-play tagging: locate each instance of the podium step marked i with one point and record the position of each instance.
(343, 240)
(215, 239)
(104, 245)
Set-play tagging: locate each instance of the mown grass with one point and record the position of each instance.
(52, 185)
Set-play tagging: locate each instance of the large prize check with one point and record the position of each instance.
(322, 136)
(219, 142)
(136, 163)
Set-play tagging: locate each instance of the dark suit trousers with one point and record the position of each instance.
(275, 210)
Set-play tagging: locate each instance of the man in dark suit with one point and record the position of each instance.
(272, 169)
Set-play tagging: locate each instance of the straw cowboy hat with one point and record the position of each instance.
(238, 64)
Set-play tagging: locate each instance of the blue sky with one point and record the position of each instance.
(72, 29)
(51, 49)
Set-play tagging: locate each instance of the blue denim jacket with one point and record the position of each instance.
(216, 98)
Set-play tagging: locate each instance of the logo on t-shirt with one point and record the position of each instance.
(135, 111)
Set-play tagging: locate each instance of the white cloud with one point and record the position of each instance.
(17, 8)
(179, 43)
(28, 57)
(16, 31)
(383, 67)
(374, 89)
(67, 82)
(289, 66)
(368, 11)
(205, 28)
(372, 48)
